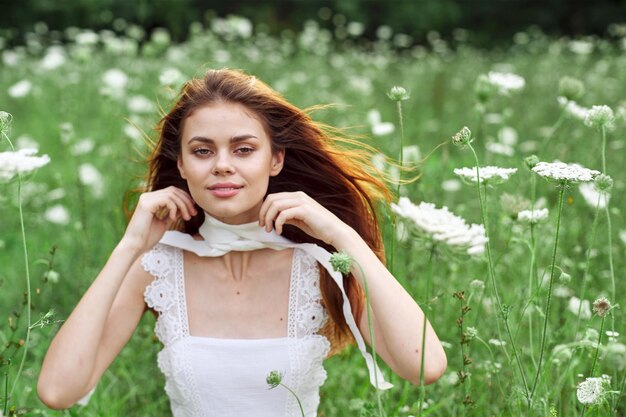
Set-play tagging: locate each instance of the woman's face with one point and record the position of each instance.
(226, 157)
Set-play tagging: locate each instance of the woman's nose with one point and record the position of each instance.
(223, 164)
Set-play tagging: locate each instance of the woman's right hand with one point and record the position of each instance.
(154, 213)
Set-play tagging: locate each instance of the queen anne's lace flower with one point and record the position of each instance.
(561, 171)
(442, 226)
(532, 216)
(488, 174)
(599, 116)
(20, 162)
(506, 82)
(590, 391)
(592, 196)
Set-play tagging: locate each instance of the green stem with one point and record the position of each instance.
(27, 271)
(484, 215)
(297, 399)
(555, 126)
(611, 267)
(401, 161)
(371, 330)
(423, 353)
(587, 263)
(595, 357)
(603, 130)
(547, 312)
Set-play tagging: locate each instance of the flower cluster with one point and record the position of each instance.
(341, 262)
(532, 216)
(600, 116)
(560, 171)
(21, 162)
(441, 225)
(5, 122)
(592, 196)
(602, 306)
(397, 93)
(592, 390)
(506, 82)
(488, 174)
(463, 137)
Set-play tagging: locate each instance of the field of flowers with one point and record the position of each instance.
(520, 268)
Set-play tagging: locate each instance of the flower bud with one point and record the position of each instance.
(483, 89)
(477, 286)
(463, 137)
(600, 116)
(5, 123)
(571, 88)
(274, 379)
(602, 306)
(603, 182)
(341, 262)
(397, 93)
(531, 161)
(565, 278)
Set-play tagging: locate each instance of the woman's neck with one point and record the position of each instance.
(237, 264)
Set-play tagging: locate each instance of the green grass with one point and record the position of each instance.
(356, 79)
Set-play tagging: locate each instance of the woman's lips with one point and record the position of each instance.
(225, 190)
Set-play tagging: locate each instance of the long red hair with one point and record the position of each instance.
(342, 179)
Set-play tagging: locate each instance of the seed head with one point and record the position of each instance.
(470, 333)
(531, 161)
(341, 262)
(571, 88)
(397, 93)
(462, 137)
(590, 391)
(274, 379)
(483, 88)
(603, 183)
(477, 286)
(5, 123)
(565, 278)
(602, 306)
(600, 116)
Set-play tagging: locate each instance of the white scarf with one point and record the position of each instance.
(221, 238)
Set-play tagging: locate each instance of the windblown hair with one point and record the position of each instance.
(341, 179)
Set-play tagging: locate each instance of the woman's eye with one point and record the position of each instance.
(244, 150)
(201, 151)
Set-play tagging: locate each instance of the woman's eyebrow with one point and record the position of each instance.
(234, 139)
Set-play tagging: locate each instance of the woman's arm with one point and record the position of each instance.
(397, 319)
(109, 311)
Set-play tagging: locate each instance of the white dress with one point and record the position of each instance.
(215, 377)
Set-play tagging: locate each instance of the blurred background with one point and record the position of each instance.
(489, 21)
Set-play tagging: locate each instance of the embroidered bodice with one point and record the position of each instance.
(227, 377)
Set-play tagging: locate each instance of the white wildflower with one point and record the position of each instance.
(140, 104)
(622, 236)
(54, 58)
(600, 116)
(83, 147)
(500, 148)
(451, 185)
(115, 82)
(171, 77)
(57, 214)
(611, 333)
(561, 171)
(488, 174)
(20, 162)
(585, 310)
(574, 109)
(506, 82)
(56, 194)
(507, 136)
(442, 226)
(87, 38)
(379, 128)
(590, 391)
(561, 291)
(497, 342)
(532, 216)
(592, 196)
(581, 47)
(410, 155)
(91, 177)
(11, 58)
(25, 141)
(20, 89)
(615, 355)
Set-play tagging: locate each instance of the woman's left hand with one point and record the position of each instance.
(300, 210)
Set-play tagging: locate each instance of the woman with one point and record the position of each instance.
(255, 195)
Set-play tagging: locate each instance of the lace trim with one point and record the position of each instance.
(307, 349)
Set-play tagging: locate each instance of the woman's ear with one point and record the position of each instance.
(179, 164)
(278, 159)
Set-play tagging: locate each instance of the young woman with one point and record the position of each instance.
(247, 197)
